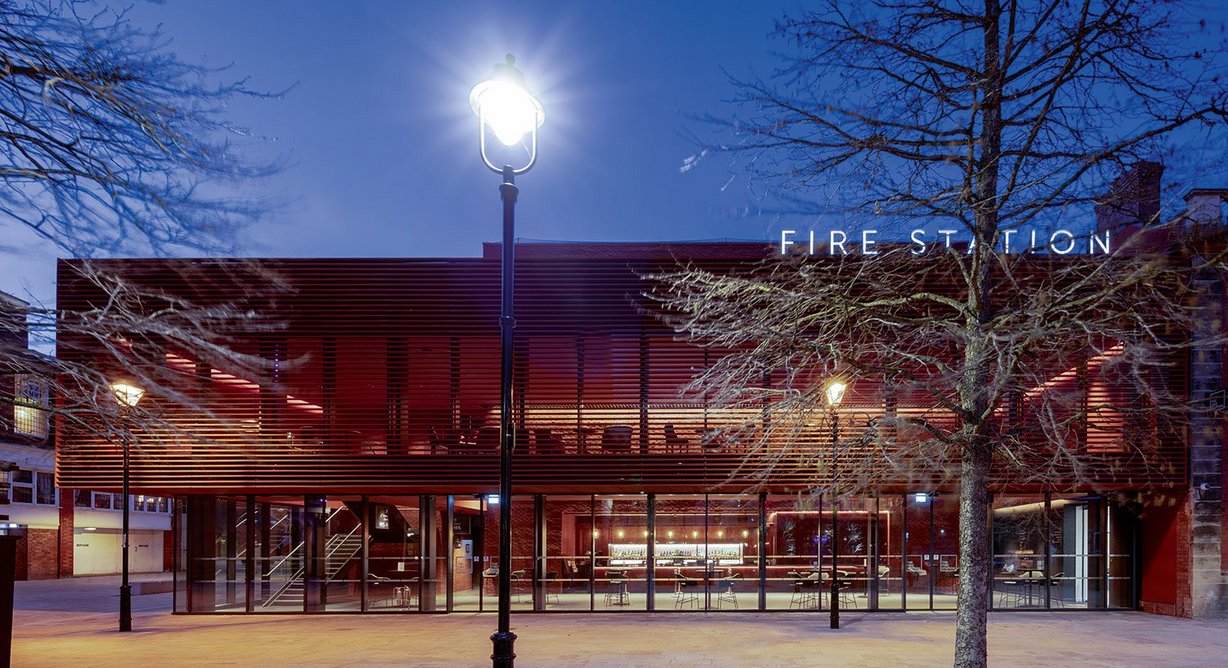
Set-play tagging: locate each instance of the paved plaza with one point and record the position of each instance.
(72, 622)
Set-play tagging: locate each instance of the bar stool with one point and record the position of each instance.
(551, 586)
(684, 590)
(518, 584)
(727, 594)
(404, 595)
(848, 598)
(805, 591)
(617, 595)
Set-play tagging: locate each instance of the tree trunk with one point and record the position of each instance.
(970, 645)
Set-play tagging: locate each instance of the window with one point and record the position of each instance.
(21, 483)
(31, 397)
(146, 504)
(44, 490)
(32, 487)
(83, 498)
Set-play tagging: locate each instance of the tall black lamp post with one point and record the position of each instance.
(835, 394)
(128, 395)
(506, 108)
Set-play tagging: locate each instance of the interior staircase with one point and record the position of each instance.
(339, 550)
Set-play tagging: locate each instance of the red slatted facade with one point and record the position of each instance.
(384, 378)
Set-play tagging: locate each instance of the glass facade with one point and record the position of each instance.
(642, 552)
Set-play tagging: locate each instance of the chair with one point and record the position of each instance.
(844, 589)
(379, 591)
(684, 590)
(1056, 598)
(1010, 592)
(487, 440)
(727, 593)
(552, 578)
(805, 590)
(617, 595)
(1034, 581)
(616, 439)
(674, 442)
(404, 595)
(441, 444)
(547, 443)
(886, 583)
(518, 584)
(712, 440)
(489, 578)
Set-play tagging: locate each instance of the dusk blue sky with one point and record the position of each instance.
(382, 146)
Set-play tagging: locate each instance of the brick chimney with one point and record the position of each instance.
(13, 331)
(1206, 206)
(1132, 202)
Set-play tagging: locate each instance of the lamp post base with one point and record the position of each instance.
(504, 655)
(125, 607)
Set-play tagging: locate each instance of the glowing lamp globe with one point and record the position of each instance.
(505, 105)
(127, 394)
(835, 392)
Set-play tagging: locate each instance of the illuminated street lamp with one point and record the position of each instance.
(127, 395)
(506, 108)
(835, 394)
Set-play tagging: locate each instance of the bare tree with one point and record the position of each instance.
(989, 119)
(108, 141)
(111, 145)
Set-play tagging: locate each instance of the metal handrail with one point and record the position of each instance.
(272, 526)
(334, 543)
(284, 559)
(328, 553)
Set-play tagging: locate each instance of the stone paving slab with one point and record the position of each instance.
(48, 632)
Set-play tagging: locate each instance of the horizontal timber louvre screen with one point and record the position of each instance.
(380, 375)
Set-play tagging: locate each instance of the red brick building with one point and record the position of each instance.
(61, 534)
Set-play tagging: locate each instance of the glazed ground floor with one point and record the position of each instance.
(645, 552)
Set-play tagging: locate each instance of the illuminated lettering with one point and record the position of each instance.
(832, 243)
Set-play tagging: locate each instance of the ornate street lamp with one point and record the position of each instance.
(835, 394)
(128, 396)
(506, 108)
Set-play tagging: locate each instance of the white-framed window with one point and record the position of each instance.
(31, 397)
(34, 487)
(141, 503)
(104, 501)
(151, 504)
